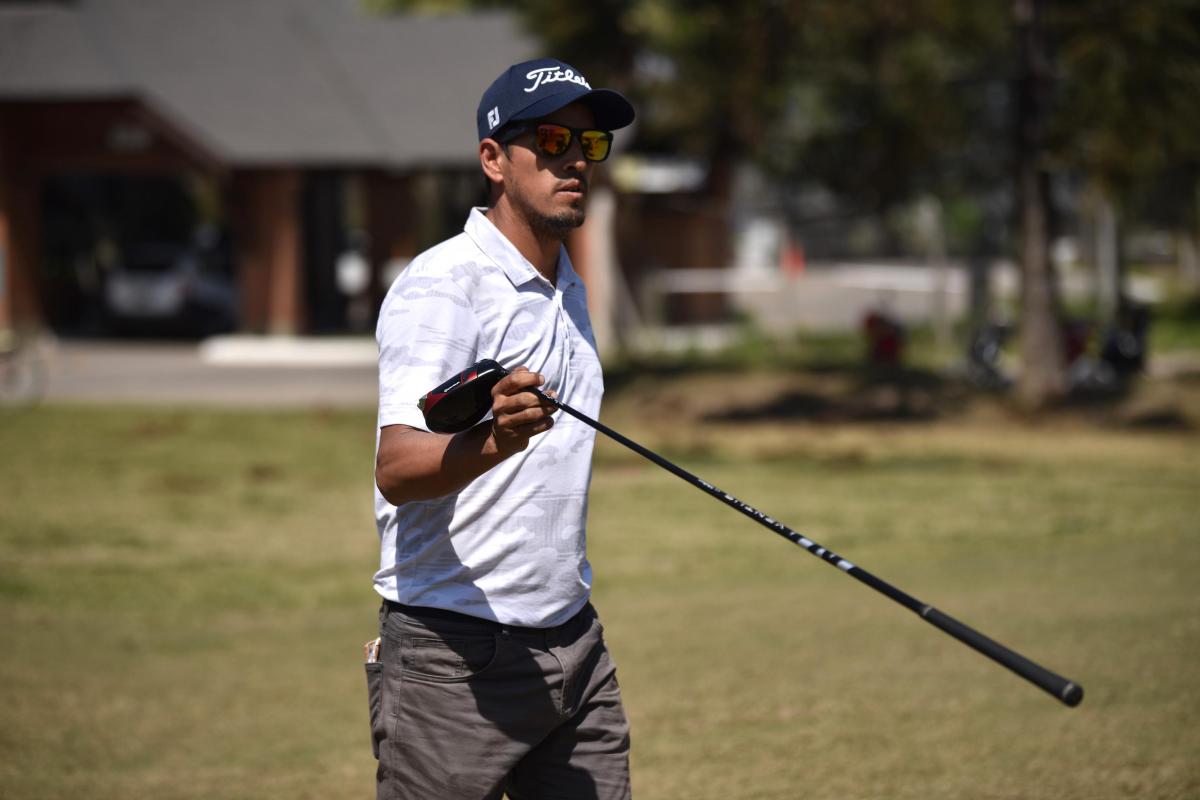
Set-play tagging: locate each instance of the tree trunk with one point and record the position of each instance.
(1043, 380)
(1189, 260)
(1189, 248)
(1108, 260)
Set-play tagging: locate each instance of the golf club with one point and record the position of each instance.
(464, 400)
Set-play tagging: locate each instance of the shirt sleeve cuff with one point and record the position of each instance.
(402, 414)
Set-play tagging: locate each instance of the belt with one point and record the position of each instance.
(435, 615)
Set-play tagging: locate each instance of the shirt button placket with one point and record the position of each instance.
(564, 327)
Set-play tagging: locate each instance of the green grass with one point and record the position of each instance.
(183, 596)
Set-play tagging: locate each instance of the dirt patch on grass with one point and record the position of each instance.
(892, 397)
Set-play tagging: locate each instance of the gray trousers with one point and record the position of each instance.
(463, 708)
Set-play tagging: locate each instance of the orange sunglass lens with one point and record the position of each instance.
(553, 140)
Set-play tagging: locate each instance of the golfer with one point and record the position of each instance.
(493, 676)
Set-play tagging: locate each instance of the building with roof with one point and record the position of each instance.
(280, 134)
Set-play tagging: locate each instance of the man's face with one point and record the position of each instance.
(550, 192)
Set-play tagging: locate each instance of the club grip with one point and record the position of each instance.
(1064, 690)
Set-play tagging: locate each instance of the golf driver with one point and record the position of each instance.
(464, 400)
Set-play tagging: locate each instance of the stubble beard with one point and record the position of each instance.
(557, 226)
(552, 226)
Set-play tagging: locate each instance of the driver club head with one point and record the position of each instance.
(459, 403)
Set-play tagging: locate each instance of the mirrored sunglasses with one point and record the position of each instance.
(552, 139)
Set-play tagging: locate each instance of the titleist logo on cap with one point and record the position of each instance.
(553, 75)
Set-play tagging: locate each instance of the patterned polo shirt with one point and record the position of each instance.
(510, 546)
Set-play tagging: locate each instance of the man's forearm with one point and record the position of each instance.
(413, 464)
(416, 465)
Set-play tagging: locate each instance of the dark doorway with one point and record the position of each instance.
(133, 255)
(324, 240)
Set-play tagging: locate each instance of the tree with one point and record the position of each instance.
(1109, 90)
(1043, 378)
(1128, 95)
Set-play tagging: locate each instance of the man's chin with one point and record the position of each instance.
(563, 222)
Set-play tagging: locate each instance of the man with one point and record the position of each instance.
(495, 678)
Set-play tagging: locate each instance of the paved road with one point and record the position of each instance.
(238, 372)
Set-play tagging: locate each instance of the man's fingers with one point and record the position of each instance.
(533, 428)
(517, 417)
(517, 412)
(517, 381)
(512, 394)
(520, 403)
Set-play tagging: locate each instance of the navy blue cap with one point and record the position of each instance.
(533, 89)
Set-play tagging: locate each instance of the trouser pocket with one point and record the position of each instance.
(375, 704)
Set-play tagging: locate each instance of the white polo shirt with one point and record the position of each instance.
(510, 546)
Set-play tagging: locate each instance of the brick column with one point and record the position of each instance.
(267, 223)
(19, 250)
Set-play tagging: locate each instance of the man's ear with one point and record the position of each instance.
(491, 153)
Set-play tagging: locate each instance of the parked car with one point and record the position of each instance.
(170, 289)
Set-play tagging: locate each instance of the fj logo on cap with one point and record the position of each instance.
(494, 117)
(553, 75)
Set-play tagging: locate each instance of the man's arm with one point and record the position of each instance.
(417, 465)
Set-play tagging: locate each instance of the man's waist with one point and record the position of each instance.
(444, 620)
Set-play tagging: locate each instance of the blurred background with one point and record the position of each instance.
(921, 277)
(1017, 177)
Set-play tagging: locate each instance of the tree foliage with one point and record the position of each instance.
(880, 100)
(1127, 89)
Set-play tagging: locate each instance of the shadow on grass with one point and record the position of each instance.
(850, 392)
(1126, 404)
(828, 389)
(865, 394)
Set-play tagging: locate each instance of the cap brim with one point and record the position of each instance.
(611, 109)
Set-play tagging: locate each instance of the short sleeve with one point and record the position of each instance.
(427, 331)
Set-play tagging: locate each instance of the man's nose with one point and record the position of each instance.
(574, 155)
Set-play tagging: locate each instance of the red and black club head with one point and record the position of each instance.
(459, 403)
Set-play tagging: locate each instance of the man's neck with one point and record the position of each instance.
(541, 251)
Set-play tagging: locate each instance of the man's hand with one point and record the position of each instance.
(518, 414)
(418, 465)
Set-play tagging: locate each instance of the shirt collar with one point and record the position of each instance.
(496, 246)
